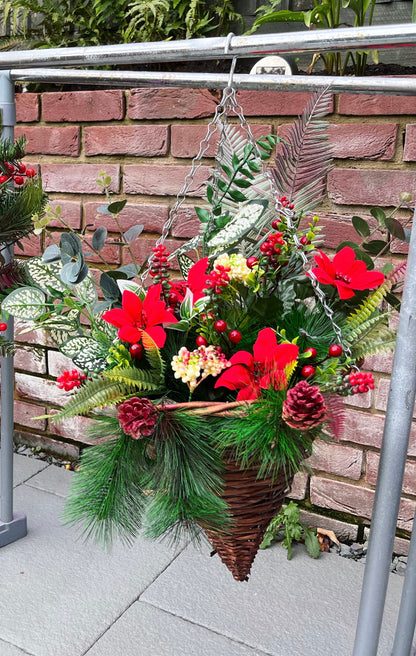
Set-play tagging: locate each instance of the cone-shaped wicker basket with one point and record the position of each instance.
(252, 501)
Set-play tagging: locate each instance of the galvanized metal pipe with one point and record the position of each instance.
(407, 614)
(374, 85)
(392, 462)
(256, 45)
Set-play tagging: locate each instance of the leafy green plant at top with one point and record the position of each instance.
(327, 14)
(287, 528)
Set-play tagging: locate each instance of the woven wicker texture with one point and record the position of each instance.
(253, 503)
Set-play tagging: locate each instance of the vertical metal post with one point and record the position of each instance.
(12, 525)
(392, 461)
(407, 614)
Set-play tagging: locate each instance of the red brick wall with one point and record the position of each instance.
(144, 139)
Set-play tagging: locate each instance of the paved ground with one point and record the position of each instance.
(63, 597)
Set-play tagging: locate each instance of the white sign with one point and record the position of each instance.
(271, 65)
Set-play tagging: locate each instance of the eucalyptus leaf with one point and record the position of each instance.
(132, 233)
(117, 206)
(361, 226)
(378, 214)
(395, 228)
(375, 246)
(103, 209)
(109, 288)
(99, 237)
(71, 246)
(129, 269)
(52, 253)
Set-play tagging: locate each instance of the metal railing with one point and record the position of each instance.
(23, 66)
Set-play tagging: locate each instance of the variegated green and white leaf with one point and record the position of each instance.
(107, 328)
(86, 291)
(61, 336)
(86, 353)
(191, 245)
(245, 221)
(27, 303)
(185, 264)
(45, 275)
(65, 322)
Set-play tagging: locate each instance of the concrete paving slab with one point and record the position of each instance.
(147, 631)
(25, 467)
(288, 608)
(6, 649)
(53, 479)
(58, 595)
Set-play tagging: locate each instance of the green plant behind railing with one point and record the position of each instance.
(84, 23)
(325, 14)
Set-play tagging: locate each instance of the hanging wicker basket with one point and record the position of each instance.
(252, 500)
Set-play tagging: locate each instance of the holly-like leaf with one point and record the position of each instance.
(132, 233)
(27, 303)
(99, 237)
(361, 226)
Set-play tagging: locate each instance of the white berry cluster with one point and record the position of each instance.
(237, 264)
(204, 361)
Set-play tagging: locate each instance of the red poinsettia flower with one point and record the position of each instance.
(262, 370)
(346, 273)
(139, 317)
(196, 281)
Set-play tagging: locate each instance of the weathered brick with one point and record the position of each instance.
(342, 530)
(367, 429)
(51, 141)
(155, 179)
(298, 487)
(156, 103)
(409, 154)
(78, 178)
(187, 138)
(382, 362)
(357, 104)
(360, 400)
(409, 479)
(336, 459)
(355, 500)
(41, 389)
(152, 217)
(47, 444)
(58, 363)
(27, 107)
(369, 186)
(24, 414)
(383, 394)
(70, 212)
(75, 428)
(186, 223)
(274, 103)
(138, 140)
(32, 246)
(39, 337)
(74, 106)
(30, 358)
(358, 141)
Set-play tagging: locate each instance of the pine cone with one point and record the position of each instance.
(137, 417)
(304, 407)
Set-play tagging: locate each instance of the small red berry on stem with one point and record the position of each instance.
(18, 180)
(136, 351)
(312, 351)
(335, 351)
(30, 173)
(251, 261)
(308, 371)
(3, 327)
(234, 336)
(201, 341)
(220, 326)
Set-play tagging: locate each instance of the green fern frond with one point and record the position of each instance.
(369, 305)
(96, 394)
(384, 340)
(141, 379)
(353, 334)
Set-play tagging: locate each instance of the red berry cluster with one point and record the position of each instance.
(272, 247)
(159, 265)
(70, 379)
(361, 382)
(286, 203)
(218, 279)
(17, 173)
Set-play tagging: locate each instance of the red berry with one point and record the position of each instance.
(308, 371)
(136, 351)
(9, 167)
(312, 351)
(201, 341)
(18, 180)
(30, 173)
(264, 247)
(3, 326)
(4, 178)
(234, 336)
(304, 240)
(251, 261)
(173, 298)
(276, 225)
(335, 351)
(22, 168)
(220, 326)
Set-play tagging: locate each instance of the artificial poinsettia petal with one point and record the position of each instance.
(117, 317)
(344, 289)
(132, 305)
(248, 393)
(236, 377)
(153, 294)
(344, 260)
(325, 264)
(243, 357)
(368, 280)
(157, 334)
(264, 345)
(130, 334)
(197, 274)
(284, 354)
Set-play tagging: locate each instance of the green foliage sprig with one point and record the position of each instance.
(287, 526)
